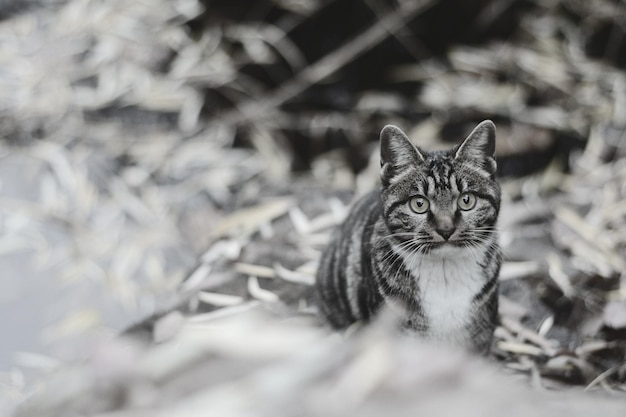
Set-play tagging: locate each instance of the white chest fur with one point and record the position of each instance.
(448, 279)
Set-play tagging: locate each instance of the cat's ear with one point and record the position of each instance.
(480, 147)
(397, 153)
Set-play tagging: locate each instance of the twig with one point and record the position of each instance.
(255, 109)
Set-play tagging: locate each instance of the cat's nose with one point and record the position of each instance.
(445, 232)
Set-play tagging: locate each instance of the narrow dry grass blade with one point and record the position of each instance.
(247, 221)
(300, 221)
(220, 300)
(196, 278)
(518, 270)
(294, 276)
(547, 346)
(520, 348)
(255, 270)
(224, 312)
(555, 270)
(602, 377)
(259, 293)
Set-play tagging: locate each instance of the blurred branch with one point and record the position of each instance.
(393, 21)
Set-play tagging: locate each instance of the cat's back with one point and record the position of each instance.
(364, 212)
(344, 263)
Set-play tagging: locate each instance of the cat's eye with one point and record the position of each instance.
(466, 201)
(419, 204)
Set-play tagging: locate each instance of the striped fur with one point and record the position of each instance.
(437, 269)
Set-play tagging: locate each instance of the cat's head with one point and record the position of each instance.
(440, 199)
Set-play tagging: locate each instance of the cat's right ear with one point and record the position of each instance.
(397, 153)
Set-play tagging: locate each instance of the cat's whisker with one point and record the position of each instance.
(490, 244)
(410, 247)
(387, 238)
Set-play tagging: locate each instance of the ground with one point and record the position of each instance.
(169, 166)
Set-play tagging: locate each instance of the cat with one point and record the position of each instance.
(426, 241)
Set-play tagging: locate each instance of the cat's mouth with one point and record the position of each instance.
(457, 243)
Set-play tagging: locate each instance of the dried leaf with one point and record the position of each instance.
(259, 293)
(247, 221)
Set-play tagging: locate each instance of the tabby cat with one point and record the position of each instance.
(426, 241)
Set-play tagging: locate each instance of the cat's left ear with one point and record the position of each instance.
(480, 146)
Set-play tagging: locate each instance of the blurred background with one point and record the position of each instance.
(129, 130)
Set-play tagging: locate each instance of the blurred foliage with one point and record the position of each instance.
(136, 127)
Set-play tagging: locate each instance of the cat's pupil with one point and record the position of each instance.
(466, 199)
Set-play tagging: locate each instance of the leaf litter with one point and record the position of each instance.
(137, 118)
